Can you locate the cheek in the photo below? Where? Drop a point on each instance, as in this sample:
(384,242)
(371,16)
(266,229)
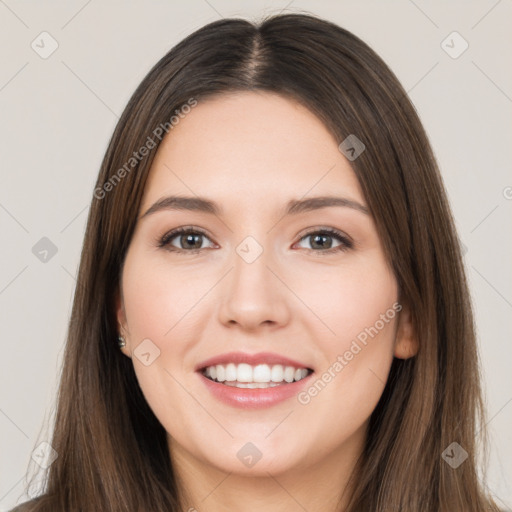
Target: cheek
(351,299)
(360,305)
(157,297)
(158,301)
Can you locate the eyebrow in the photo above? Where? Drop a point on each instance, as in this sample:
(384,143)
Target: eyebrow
(293,207)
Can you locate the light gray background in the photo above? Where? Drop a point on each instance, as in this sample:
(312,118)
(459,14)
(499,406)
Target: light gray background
(57,115)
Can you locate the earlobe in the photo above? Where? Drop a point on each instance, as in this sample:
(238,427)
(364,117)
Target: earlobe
(122,331)
(406,341)
(120,314)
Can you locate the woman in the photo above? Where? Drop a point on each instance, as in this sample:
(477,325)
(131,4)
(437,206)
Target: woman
(271,309)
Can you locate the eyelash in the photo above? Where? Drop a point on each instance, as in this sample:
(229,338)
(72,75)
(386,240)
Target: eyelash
(346,243)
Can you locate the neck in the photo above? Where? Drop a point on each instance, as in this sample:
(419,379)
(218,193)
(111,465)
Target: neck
(323,485)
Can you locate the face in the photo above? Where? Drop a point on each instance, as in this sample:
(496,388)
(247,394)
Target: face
(256,293)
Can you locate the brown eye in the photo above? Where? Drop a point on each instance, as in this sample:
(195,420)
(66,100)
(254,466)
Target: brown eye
(323,240)
(183,240)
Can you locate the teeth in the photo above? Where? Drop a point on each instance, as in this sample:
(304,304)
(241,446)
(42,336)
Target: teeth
(252,385)
(289,373)
(230,372)
(221,373)
(277,374)
(261,373)
(260,376)
(243,373)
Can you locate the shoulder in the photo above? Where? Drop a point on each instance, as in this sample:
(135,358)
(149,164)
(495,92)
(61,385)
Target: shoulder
(28,506)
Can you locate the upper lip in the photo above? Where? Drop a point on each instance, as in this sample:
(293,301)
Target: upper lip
(252,359)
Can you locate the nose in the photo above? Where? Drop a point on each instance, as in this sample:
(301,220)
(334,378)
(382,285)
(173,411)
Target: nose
(253,296)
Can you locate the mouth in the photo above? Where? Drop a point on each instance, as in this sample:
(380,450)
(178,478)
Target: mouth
(259,376)
(253,381)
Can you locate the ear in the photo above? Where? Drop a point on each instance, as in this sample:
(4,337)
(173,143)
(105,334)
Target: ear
(406,341)
(122,329)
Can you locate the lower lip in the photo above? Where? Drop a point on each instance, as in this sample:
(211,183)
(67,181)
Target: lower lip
(245,398)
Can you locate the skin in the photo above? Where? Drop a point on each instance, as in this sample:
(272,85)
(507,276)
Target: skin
(252,152)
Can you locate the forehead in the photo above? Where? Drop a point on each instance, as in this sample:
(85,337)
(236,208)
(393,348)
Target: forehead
(261,146)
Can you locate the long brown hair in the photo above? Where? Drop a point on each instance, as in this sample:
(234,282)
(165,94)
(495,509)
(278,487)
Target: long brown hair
(112,450)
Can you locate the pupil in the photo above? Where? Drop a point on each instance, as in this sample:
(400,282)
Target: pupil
(190,238)
(321,244)
(193,241)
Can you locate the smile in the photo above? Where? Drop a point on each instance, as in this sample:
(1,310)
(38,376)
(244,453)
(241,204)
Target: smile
(258,376)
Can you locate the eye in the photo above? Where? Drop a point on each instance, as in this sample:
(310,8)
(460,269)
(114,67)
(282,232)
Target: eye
(188,239)
(191,240)
(321,241)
